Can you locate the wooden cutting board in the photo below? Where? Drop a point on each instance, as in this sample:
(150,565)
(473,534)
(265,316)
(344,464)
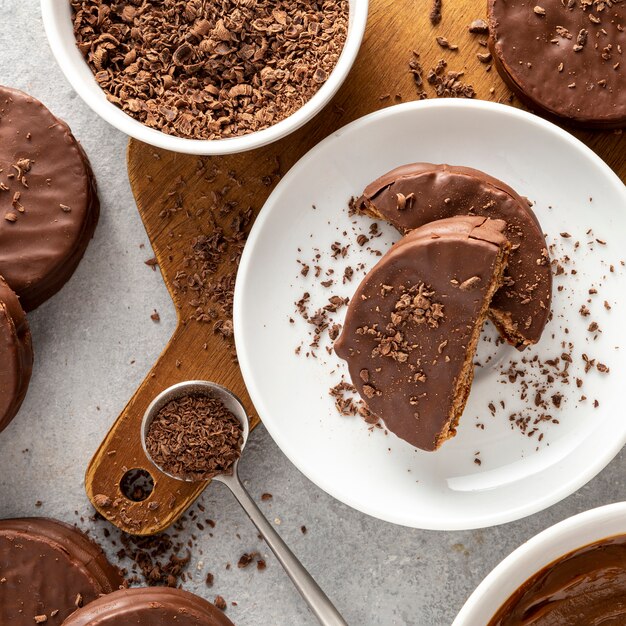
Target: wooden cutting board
(176,194)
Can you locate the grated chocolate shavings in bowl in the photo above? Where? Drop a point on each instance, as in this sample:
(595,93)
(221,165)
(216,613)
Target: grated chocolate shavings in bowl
(210,69)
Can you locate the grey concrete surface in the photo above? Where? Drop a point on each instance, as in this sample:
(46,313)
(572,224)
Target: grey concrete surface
(95,343)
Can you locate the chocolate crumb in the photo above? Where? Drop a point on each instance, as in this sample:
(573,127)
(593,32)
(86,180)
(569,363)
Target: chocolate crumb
(435,13)
(246,558)
(479,27)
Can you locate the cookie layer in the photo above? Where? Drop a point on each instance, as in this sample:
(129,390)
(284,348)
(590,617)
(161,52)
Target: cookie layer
(16,354)
(412,326)
(48,201)
(413,195)
(49,568)
(155,606)
(563,58)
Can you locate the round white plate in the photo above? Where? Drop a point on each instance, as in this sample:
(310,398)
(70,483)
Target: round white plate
(370,469)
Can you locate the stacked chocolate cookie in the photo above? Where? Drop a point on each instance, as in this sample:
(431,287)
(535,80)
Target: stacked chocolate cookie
(472,249)
(48,213)
(51,573)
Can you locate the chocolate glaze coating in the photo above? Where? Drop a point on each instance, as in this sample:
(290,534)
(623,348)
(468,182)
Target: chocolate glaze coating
(155,606)
(16,354)
(521,308)
(44,231)
(44,565)
(411,327)
(586,587)
(528,48)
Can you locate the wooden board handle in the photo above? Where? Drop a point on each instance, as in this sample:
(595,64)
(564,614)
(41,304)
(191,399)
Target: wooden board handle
(122,451)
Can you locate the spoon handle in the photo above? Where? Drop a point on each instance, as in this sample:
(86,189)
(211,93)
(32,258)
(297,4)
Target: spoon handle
(317,600)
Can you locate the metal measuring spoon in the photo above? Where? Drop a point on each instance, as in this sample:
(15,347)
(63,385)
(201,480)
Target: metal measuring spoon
(317,600)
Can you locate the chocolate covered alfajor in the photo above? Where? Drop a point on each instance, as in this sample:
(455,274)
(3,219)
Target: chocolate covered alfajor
(155,606)
(48,569)
(412,326)
(412,195)
(16,354)
(48,201)
(563,58)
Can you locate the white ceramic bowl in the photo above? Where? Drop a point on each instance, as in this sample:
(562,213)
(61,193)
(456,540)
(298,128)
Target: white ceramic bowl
(56,16)
(543,549)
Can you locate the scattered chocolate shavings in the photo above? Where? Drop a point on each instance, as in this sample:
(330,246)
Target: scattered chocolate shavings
(220,603)
(470,283)
(444,43)
(348,403)
(155,317)
(246,558)
(416,70)
(447,84)
(103,501)
(156,557)
(205,279)
(479,27)
(581,40)
(435,13)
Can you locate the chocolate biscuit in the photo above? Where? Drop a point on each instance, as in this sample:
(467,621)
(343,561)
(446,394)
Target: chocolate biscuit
(48,201)
(563,58)
(154,606)
(49,569)
(413,195)
(412,326)
(16,354)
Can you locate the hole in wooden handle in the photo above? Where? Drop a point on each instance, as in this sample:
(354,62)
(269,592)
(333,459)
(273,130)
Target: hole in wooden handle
(137,484)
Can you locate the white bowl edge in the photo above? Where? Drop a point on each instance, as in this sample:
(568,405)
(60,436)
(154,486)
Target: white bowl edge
(536,553)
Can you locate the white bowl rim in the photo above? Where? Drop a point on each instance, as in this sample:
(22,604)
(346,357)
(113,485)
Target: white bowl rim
(535,546)
(523,510)
(66,56)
